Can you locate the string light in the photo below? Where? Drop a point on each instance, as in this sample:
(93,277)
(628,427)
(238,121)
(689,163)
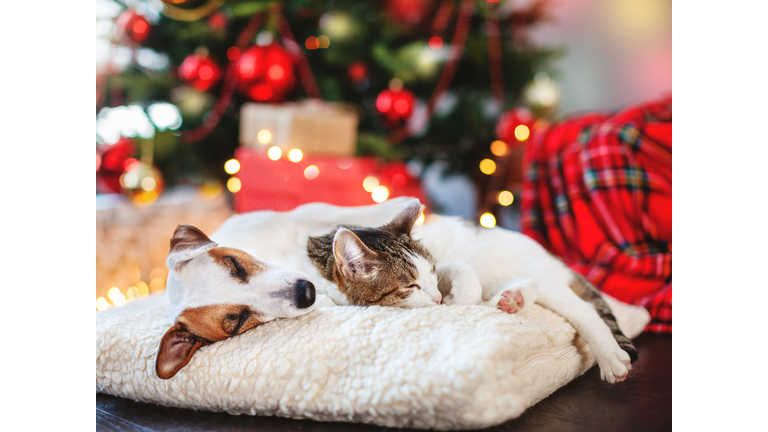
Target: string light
(132,293)
(487,220)
(232,166)
(295,155)
(143,288)
(311,172)
(487,166)
(435,42)
(312,43)
(323,41)
(274,153)
(234,185)
(233,53)
(117,297)
(499,148)
(522,132)
(506,198)
(370,183)
(380,194)
(101,304)
(148,184)
(264,136)
(158,283)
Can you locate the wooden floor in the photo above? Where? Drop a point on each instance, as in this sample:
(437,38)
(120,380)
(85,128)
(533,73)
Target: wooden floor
(642,403)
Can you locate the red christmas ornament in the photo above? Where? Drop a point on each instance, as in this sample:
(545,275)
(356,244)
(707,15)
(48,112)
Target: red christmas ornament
(396,105)
(266,73)
(135,26)
(409,11)
(218,21)
(199,71)
(510,120)
(114,159)
(357,72)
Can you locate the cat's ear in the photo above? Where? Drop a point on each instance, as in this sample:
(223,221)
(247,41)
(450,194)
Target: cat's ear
(403,221)
(353,258)
(176,349)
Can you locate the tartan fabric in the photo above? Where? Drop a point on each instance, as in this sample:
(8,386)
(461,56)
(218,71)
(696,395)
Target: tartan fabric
(597,192)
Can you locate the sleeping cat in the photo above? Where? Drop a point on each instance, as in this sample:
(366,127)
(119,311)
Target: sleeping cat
(449,260)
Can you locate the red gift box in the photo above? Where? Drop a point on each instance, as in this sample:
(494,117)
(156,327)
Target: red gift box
(282,185)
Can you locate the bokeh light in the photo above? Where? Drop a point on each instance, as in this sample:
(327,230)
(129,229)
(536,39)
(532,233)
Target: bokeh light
(234,185)
(421,218)
(311,172)
(295,155)
(487,166)
(274,153)
(232,166)
(522,132)
(380,194)
(487,220)
(312,43)
(435,42)
(323,41)
(101,304)
(370,183)
(505,198)
(264,136)
(499,148)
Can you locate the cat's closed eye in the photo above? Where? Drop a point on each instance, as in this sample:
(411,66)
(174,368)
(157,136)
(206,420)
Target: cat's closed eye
(414,286)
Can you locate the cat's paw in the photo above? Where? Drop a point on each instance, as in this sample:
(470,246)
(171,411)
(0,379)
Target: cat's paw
(614,365)
(515,297)
(510,301)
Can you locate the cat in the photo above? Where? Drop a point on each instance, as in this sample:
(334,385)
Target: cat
(397,262)
(451,261)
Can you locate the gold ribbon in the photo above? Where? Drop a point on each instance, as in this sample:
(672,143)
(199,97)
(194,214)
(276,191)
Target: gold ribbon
(194,14)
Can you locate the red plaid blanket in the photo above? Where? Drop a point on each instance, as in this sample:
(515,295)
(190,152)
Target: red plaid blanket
(598,193)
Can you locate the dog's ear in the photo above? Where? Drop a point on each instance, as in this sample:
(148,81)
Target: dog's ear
(403,221)
(187,242)
(353,258)
(176,349)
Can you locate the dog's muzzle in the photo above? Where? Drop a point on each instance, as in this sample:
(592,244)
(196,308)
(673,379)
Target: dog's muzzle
(305,294)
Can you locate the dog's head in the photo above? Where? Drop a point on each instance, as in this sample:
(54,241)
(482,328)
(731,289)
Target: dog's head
(215,292)
(379,266)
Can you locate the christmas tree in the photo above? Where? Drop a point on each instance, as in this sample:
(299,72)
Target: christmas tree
(431,79)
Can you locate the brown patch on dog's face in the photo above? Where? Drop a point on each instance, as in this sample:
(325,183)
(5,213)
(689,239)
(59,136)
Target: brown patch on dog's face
(218,322)
(197,327)
(240,265)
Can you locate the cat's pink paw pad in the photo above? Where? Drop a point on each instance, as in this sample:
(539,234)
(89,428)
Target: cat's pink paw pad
(510,301)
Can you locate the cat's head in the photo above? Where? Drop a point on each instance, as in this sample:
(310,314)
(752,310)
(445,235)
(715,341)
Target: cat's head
(379,266)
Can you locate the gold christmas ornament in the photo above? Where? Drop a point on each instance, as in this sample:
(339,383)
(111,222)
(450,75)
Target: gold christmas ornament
(542,95)
(141,183)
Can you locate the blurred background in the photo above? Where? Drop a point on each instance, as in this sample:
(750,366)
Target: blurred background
(207,108)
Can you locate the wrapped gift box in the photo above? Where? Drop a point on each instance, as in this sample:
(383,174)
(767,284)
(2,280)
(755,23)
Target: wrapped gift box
(314,127)
(283,185)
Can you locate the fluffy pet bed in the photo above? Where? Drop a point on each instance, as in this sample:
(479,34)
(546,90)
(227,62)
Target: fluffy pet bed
(444,367)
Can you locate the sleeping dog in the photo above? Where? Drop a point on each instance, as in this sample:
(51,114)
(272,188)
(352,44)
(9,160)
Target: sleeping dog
(369,257)
(245,274)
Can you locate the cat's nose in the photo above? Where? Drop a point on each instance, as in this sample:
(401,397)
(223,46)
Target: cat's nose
(438,298)
(304,296)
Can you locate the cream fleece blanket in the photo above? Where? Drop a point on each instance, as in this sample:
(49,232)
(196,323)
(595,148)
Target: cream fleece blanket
(444,367)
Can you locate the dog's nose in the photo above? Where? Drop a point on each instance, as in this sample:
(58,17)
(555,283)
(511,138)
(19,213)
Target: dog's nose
(305,294)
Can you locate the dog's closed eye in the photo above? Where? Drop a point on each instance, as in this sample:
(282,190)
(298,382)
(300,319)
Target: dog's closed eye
(236,269)
(234,321)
